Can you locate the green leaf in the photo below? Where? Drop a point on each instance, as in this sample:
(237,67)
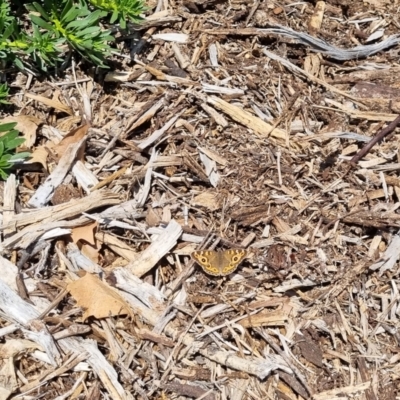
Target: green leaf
(30,7)
(5,158)
(19,156)
(19,64)
(80,23)
(13,144)
(9,136)
(67,8)
(73,14)
(88,31)
(122,23)
(114,17)
(3,175)
(94,17)
(7,126)
(37,7)
(4,94)
(40,22)
(88,21)
(8,32)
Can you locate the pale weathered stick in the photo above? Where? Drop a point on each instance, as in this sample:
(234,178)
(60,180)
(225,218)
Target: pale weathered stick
(159,132)
(388,259)
(175,79)
(25,237)
(143,118)
(43,221)
(71,209)
(10,194)
(219,118)
(45,192)
(250,121)
(85,178)
(158,249)
(143,194)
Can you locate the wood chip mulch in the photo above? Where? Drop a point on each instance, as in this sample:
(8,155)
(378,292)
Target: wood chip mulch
(233,126)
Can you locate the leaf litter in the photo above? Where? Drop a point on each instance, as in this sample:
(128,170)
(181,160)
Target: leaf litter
(234,127)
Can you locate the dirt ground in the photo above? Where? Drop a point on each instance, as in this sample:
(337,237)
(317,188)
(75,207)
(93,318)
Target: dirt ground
(202,221)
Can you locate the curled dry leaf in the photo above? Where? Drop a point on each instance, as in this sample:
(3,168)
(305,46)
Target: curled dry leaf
(84,237)
(72,137)
(85,233)
(39,155)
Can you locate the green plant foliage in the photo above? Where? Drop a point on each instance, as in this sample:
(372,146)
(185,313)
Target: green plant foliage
(5,14)
(78,26)
(44,49)
(55,28)
(4,94)
(9,141)
(122,10)
(16,45)
(10,40)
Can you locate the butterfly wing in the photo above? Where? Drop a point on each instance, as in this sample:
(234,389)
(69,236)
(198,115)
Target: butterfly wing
(208,260)
(231,260)
(219,263)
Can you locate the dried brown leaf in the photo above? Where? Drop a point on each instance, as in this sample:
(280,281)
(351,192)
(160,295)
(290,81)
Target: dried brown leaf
(97,298)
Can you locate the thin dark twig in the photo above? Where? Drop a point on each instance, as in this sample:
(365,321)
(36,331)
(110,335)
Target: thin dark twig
(377,138)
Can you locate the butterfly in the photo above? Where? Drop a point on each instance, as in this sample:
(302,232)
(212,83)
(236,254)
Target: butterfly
(219,263)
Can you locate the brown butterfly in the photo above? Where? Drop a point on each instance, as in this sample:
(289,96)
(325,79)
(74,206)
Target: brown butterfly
(219,263)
